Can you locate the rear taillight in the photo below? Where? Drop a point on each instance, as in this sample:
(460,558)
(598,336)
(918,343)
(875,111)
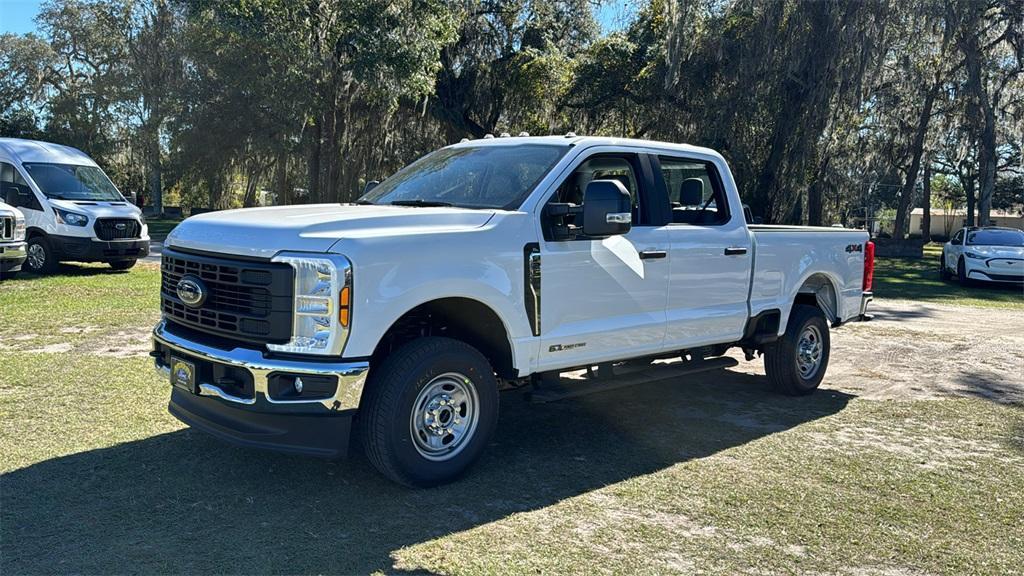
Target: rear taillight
(869,265)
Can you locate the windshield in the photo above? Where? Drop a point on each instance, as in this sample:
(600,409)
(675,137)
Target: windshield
(71,182)
(483,177)
(996,238)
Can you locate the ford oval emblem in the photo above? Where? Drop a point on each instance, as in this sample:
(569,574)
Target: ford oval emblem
(191,291)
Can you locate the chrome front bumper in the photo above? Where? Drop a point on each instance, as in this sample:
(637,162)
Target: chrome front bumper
(351,375)
(13,251)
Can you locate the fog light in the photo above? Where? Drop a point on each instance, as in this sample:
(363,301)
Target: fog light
(298,385)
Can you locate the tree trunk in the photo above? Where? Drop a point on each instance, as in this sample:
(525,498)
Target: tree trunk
(926,203)
(284,196)
(917,150)
(986,165)
(969,188)
(313,164)
(155,170)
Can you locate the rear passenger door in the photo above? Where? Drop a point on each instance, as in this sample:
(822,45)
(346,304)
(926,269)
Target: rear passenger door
(710,255)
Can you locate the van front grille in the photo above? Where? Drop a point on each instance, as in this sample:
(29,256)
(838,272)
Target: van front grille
(6,228)
(117,228)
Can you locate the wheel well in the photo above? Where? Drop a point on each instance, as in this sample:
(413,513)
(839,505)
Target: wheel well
(463,319)
(819,291)
(33,232)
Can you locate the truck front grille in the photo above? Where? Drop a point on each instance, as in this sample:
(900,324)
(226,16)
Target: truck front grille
(244,300)
(117,228)
(6,228)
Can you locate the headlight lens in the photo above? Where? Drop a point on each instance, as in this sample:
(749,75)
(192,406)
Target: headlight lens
(19,229)
(71,218)
(321,285)
(974,255)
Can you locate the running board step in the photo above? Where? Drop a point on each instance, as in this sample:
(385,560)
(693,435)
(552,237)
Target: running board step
(574,384)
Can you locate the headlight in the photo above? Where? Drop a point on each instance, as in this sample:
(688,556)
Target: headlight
(19,229)
(70,218)
(321,307)
(974,255)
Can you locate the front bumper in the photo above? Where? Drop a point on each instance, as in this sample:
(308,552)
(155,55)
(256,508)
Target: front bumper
(254,414)
(83,249)
(12,256)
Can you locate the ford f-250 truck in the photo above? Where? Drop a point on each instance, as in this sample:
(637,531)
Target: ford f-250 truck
(493,259)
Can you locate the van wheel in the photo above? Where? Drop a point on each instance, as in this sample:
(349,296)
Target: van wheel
(122,264)
(41,259)
(796,363)
(428,411)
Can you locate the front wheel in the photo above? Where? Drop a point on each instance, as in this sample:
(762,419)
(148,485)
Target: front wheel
(961,272)
(122,264)
(428,411)
(796,363)
(41,259)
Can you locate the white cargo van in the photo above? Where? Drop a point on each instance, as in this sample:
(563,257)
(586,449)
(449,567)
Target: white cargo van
(73,212)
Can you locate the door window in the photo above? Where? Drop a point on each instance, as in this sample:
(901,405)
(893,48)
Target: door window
(694,191)
(622,168)
(14,190)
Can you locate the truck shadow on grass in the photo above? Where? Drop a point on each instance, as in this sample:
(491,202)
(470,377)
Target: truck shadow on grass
(182,502)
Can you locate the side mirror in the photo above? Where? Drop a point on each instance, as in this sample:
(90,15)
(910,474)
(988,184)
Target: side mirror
(607,209)
(370,186)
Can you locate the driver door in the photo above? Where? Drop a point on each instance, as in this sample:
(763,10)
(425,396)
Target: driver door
(604,299)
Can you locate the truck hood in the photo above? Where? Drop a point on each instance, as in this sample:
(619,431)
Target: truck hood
(263,232)
(98,209)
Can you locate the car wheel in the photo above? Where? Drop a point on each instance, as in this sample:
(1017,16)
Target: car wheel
(961,272)
(943,271)
(41,259)
(428,411)
(796,362)
(122,264)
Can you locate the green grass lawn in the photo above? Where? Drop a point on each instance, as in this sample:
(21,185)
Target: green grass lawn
(159,228)
(918,279)
(715,475)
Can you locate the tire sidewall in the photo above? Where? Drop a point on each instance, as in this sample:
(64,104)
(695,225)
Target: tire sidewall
(422,471)
(48,264)
(817,320)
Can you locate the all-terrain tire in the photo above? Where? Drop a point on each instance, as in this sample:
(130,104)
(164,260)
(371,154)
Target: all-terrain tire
(784,358)
(395,392)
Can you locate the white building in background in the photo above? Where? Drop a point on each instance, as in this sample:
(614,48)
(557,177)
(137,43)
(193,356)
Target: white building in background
(944,222)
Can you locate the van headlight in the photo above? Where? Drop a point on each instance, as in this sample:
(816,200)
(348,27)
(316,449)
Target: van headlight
(19,229)
(71,218)
(321,305)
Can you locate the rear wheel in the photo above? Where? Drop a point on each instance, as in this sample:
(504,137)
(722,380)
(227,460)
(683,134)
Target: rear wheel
(796,363)
(41,259)
(428,411)
(122,264)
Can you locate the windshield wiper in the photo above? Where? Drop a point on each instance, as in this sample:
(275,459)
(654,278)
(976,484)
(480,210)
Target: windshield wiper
(421,203)
(362,202)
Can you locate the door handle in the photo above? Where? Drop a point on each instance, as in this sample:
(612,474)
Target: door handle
(653,254)
(735,251)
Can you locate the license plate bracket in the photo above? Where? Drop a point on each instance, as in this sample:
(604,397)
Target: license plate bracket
(183,374)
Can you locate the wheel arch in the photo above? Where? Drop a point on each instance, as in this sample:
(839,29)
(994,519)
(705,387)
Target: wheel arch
(819,290)
(461,318)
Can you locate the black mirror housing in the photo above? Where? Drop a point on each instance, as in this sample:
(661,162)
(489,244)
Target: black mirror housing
(607,209)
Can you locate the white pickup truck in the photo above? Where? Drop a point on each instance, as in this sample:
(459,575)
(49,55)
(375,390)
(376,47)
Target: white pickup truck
(510,259)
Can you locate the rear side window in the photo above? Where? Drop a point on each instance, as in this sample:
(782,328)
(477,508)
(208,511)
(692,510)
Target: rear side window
(694,191)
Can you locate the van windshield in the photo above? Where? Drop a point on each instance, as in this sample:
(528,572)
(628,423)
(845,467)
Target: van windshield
(469,177)
(71,182)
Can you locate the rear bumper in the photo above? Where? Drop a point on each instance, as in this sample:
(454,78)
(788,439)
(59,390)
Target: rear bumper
(82,249)
(12,256)
(233,397)
(865,299)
